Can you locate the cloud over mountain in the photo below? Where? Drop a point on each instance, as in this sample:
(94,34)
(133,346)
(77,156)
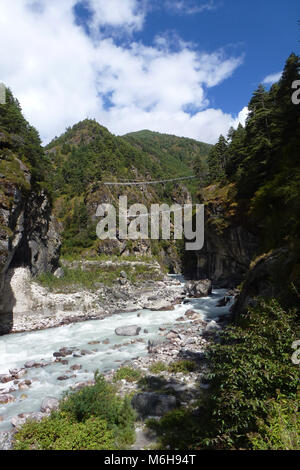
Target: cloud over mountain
(62,74)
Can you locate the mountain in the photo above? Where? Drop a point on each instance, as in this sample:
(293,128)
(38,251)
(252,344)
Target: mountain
(173,152)
(87,155)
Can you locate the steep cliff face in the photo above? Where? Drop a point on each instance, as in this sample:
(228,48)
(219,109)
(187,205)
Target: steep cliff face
(225,259)
(29,234)
(273,275)
(29,237)
(229,245)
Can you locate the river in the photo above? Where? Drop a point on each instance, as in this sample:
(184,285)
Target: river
(16,349)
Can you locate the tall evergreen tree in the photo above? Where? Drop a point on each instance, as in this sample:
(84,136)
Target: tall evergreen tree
(217,160)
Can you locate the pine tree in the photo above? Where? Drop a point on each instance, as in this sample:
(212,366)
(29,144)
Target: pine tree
(217,160)
(235,151)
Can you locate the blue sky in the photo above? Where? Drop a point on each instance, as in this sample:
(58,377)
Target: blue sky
(182,67)
(265,32)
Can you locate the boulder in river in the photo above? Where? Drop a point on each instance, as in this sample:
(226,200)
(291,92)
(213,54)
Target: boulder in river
(4,378)
(198,289)
(30,364)
(63,377)
(49,404)
(212,326)
(153,404)
(132,330)
(6,398)
(223,302)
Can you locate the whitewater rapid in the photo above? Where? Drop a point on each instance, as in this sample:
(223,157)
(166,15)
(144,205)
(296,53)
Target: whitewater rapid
(16,349)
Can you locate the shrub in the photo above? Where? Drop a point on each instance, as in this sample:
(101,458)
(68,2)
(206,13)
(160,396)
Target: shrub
(177,429)
(250,366)
(91,418)
(281,429)
(60,433)
(128,374)
(183,366)
(158,367)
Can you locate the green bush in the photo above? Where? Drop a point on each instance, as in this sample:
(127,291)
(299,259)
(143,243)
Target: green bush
(91,418)
(128,374)
(281,429)
(250,366)
(60,433)
(158,367)
(183,366)
(177,429)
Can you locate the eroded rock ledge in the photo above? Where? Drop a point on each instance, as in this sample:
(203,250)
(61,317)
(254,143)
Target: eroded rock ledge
(37,308)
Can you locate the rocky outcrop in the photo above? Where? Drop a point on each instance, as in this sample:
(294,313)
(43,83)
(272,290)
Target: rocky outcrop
(230,243)
(29,236)
(153,404)
(198,289)
(269,277)
(225,258)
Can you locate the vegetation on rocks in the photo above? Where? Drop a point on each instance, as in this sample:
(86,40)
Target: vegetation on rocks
(93,418)
(77,278)
(127,373)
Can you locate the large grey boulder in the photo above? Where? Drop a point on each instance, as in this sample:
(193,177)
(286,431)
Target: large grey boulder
(49,404)
(59,273)
(198,289)
(132,330)
(154,342)
(212,326)
(153,404)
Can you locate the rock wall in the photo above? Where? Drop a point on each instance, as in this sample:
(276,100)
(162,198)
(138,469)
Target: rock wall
(270,277)
(225,257)
(230,244)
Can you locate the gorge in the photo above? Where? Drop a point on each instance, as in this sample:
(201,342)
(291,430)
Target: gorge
(212,328)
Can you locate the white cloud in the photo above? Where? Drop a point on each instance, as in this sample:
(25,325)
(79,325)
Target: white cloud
(242,117)
(129,14)
(273,78)
(61,75)
(190,7)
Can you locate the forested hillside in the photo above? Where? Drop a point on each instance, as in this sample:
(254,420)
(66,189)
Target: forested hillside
(262,162)
(87,155)
(254,177)
(176,154)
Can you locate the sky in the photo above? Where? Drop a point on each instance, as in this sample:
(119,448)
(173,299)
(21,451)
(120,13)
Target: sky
(183,67)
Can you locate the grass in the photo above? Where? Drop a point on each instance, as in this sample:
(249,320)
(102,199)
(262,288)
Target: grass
(183,367)
(103,257)
(158,367)
(89,279)
(128,374)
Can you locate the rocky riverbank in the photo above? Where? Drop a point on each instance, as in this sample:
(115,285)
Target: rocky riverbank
(174,374)
(38,308)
